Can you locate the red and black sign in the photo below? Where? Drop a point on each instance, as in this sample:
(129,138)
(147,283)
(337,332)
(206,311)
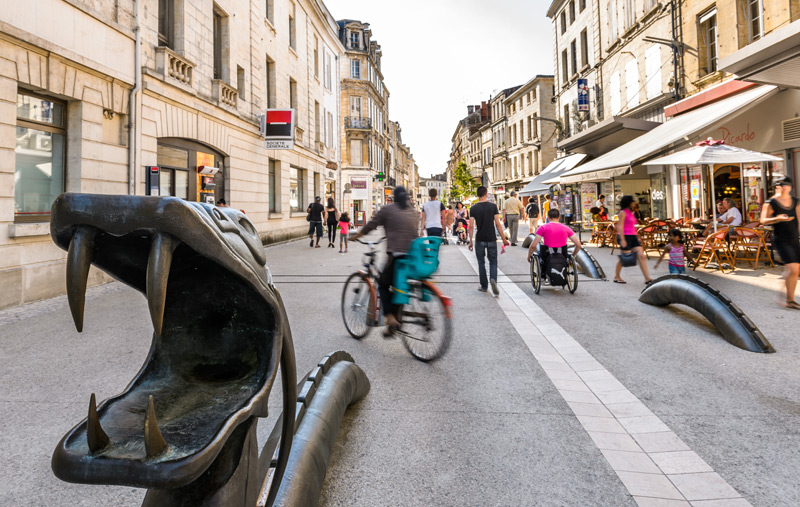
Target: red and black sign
(279,124)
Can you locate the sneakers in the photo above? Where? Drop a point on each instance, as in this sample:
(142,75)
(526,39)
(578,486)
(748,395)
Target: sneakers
(311,244)
(483,289)
(495,290)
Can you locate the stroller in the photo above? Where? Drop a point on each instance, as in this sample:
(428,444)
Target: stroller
(461,232)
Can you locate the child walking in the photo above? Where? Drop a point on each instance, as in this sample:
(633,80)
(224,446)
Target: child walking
(344,225)
(677,253)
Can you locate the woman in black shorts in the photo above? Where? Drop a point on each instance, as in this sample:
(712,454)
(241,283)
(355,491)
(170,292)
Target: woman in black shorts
(628,238)
(782,211)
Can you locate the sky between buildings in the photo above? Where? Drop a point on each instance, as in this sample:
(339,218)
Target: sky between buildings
(441,55)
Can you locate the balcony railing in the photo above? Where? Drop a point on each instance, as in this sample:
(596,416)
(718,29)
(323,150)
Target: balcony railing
(174,67)
(225,93)
(357,122)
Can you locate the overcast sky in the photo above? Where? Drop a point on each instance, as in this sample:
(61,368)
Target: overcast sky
(441,55)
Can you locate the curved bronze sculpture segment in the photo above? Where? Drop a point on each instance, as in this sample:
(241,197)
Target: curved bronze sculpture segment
(729,320)
(589,265)
(219,331)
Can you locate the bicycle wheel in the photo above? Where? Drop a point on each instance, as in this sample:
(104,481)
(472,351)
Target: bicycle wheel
(355,305)
(536,274)
(572,275)
(425,327)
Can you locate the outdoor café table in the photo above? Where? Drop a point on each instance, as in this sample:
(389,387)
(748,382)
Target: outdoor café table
(689,234)
(577,226)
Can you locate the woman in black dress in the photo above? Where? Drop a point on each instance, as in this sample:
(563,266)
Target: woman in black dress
(782,211)
(333,220)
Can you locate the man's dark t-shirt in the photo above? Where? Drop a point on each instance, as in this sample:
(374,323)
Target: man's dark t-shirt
(316,209)
(484,213)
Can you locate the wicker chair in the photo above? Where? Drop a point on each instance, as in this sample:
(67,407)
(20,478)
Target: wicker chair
(749,245)
(714,249)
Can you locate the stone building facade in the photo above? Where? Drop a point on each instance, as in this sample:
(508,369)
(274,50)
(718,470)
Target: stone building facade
(530,139)
(366,140)
(501,170)
(208,71)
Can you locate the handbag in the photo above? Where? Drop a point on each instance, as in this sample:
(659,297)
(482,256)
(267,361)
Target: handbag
(308,217)
(628,259)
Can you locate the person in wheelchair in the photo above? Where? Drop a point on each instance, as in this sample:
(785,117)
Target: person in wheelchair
(553,235)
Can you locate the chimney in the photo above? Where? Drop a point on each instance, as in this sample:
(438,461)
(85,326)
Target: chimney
(470,109)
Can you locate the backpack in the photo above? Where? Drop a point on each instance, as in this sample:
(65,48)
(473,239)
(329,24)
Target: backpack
(556,267)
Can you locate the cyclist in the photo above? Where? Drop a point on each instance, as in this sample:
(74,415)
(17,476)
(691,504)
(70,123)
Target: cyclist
(400,221)
(554,235)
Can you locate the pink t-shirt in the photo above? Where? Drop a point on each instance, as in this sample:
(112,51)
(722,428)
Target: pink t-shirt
(554,234)
(345,227)
(630,223)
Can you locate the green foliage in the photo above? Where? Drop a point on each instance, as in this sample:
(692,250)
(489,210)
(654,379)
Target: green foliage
(464,185)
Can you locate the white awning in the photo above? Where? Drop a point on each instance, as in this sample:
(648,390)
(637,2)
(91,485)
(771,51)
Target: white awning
(549,176)
(661,139)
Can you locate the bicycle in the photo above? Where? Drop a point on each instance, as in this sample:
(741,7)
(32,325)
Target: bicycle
(570,280)
(425,320)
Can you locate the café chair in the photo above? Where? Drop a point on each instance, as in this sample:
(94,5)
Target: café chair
(713,250)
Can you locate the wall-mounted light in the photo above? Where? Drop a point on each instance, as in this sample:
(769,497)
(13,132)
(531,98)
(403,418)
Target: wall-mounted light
(108,114)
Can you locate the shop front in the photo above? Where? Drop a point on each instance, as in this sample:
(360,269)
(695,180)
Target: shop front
(189,170)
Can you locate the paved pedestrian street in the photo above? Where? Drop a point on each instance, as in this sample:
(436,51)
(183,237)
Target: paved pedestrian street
(549,399)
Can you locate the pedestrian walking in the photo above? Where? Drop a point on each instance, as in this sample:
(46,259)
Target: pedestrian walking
(461,216)
(548,200)
(316,214)
(676,252)
(782,211)
(432,215)
(399,221)
(332,218)
(628,238)
(449,218)
(344,231)
(484,219)
(512,209)
(532,211)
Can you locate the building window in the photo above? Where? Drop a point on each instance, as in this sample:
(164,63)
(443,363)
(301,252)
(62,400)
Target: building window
(612,21)
(273,188)
(573,52)
(297,183)
(240,82)
(356,158)
(292,30)
(650,4)
(632,83)
(564,67)
(630,13)
(317,186)
(355,106)
(535,126)
(270,10)
(166,23)
(292,93)
(329,135)
(754,14)
(563,19)
(270,84)
(173,175)
(221,40)
(584,48)
(582,5)
(355,69)
(707,27)
(317,124)
(355,40)
(40,154)
(316,56)
(327,70)
(566,120)
(571,12)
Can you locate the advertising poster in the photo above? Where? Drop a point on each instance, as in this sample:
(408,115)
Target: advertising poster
(588,198)
(695,190)
(358,189)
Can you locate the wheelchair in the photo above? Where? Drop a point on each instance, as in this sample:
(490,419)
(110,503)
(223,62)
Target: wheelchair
(570,281)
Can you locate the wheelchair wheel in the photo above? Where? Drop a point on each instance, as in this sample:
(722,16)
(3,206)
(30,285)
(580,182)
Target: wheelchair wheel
(536,274)
(572,275)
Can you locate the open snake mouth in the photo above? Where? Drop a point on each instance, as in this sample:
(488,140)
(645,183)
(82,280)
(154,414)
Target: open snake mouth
(218,330)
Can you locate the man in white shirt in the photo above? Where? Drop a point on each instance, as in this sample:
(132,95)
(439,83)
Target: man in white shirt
(432,215)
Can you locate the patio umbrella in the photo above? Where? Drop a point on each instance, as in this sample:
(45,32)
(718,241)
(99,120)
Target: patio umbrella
(711,152)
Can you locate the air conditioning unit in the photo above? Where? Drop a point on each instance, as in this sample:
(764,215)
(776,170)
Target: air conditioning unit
(44,142)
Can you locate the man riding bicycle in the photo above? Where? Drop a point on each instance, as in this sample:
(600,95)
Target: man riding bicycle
(400,221)
(553,235)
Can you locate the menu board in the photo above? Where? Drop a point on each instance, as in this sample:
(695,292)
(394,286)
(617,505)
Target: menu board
(588,198)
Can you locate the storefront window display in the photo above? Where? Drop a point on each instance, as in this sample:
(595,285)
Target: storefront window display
(692,192)
(658,195)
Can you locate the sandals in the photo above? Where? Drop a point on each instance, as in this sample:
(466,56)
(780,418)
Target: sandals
(620,281)
(794,305)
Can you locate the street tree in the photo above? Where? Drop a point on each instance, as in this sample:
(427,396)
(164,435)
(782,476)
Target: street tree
(464,185)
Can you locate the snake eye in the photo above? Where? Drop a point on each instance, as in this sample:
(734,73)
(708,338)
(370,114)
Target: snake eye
(247,226)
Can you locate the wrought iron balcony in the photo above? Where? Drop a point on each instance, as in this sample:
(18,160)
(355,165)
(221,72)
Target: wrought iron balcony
(357,122)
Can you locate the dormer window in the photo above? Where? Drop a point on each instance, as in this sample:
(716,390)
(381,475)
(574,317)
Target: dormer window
(355,40)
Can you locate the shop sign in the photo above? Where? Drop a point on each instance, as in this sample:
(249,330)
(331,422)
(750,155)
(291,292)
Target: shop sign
(733,138)
(657,195)
(358,189)
(277,125)
(695,190)
(583,94)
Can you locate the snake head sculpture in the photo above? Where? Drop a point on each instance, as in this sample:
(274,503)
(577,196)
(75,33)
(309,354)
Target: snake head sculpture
(218,322)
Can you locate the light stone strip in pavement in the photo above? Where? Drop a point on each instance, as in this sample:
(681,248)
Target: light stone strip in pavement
(653,463)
